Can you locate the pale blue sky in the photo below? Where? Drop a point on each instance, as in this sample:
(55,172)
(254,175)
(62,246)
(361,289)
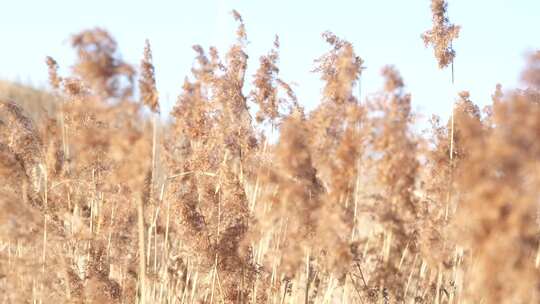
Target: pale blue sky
(495,36)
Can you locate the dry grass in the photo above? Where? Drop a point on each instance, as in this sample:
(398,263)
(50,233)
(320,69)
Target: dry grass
(102,202)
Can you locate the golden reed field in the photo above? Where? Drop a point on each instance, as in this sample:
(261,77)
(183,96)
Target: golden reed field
(243,197)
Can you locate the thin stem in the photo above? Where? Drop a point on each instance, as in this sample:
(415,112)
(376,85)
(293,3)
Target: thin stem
(451,163)
(154,154)
(142,264)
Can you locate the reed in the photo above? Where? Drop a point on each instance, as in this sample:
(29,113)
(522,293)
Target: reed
(245,197)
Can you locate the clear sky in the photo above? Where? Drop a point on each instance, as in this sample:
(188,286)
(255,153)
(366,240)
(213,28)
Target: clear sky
(495,36)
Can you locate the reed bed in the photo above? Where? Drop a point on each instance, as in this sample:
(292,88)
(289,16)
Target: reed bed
(244,197)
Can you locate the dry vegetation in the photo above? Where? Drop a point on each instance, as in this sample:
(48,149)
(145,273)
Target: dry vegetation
(102,202)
